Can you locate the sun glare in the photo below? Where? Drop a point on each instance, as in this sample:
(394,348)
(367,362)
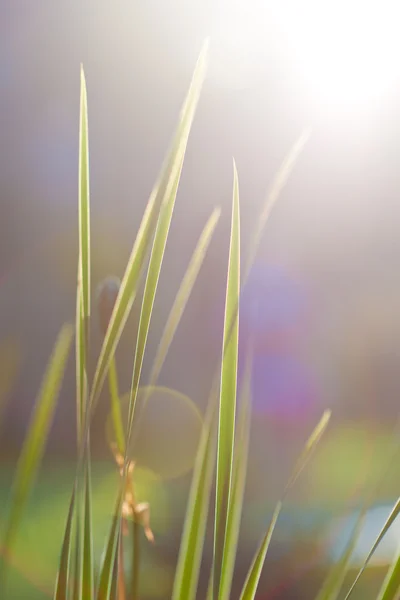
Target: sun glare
(346,51)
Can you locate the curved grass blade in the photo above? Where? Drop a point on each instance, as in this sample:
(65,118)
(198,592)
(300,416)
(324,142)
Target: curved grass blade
(34,444)
(238,485)
(308,449)
(390,589)
(108,569)
(150,289)
(159,196)
(178,308)
(253,577)
(194,529)
(389,521)
(227,398)
(332,585)
(62,581)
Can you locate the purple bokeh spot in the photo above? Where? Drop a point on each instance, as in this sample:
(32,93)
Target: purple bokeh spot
(283,387)
(272,307)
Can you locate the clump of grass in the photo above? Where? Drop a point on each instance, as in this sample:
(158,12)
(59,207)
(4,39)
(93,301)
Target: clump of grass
(223,448)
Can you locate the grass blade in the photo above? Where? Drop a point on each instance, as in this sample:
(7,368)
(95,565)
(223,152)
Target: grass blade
(84,207)
(308,449)
(227,402)
(78,546)
(194,529)
(238,485)
(111,555)
(253,577)
(161,192)
(389,521)
(179,305)
(34,444)
(62,582)
(150,289)
(87,570)
(390,589)
(80,363)
(116,407)
(332,585)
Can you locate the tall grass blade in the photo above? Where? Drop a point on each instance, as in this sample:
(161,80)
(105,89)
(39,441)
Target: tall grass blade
(114,591)
(81,382)
(84,207)
(158,198)
(333,583)
(389,521)
(105,588)
(178,306)
(227,401)
(150,289)
(62,581)
(238,485)
(34,444)
(194,528)
(78,546)
(253,577)
(87,571)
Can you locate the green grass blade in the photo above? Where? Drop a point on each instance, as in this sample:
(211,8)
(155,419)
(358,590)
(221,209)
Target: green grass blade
(332,585)
(390,589)
(389,521)
(194,529)
(238,485)
(114,591)
(150,289)
(161,192)
(308,449)
(84,207)
(62,582)
(111,555)
(254,574)
(34,444)
(78,545)
(178,307)
(153,273)
(116,406)
(253,577)
(87,570)
(227,402)
(80,363)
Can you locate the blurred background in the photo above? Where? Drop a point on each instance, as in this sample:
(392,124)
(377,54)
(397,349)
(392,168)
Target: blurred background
(322,301)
